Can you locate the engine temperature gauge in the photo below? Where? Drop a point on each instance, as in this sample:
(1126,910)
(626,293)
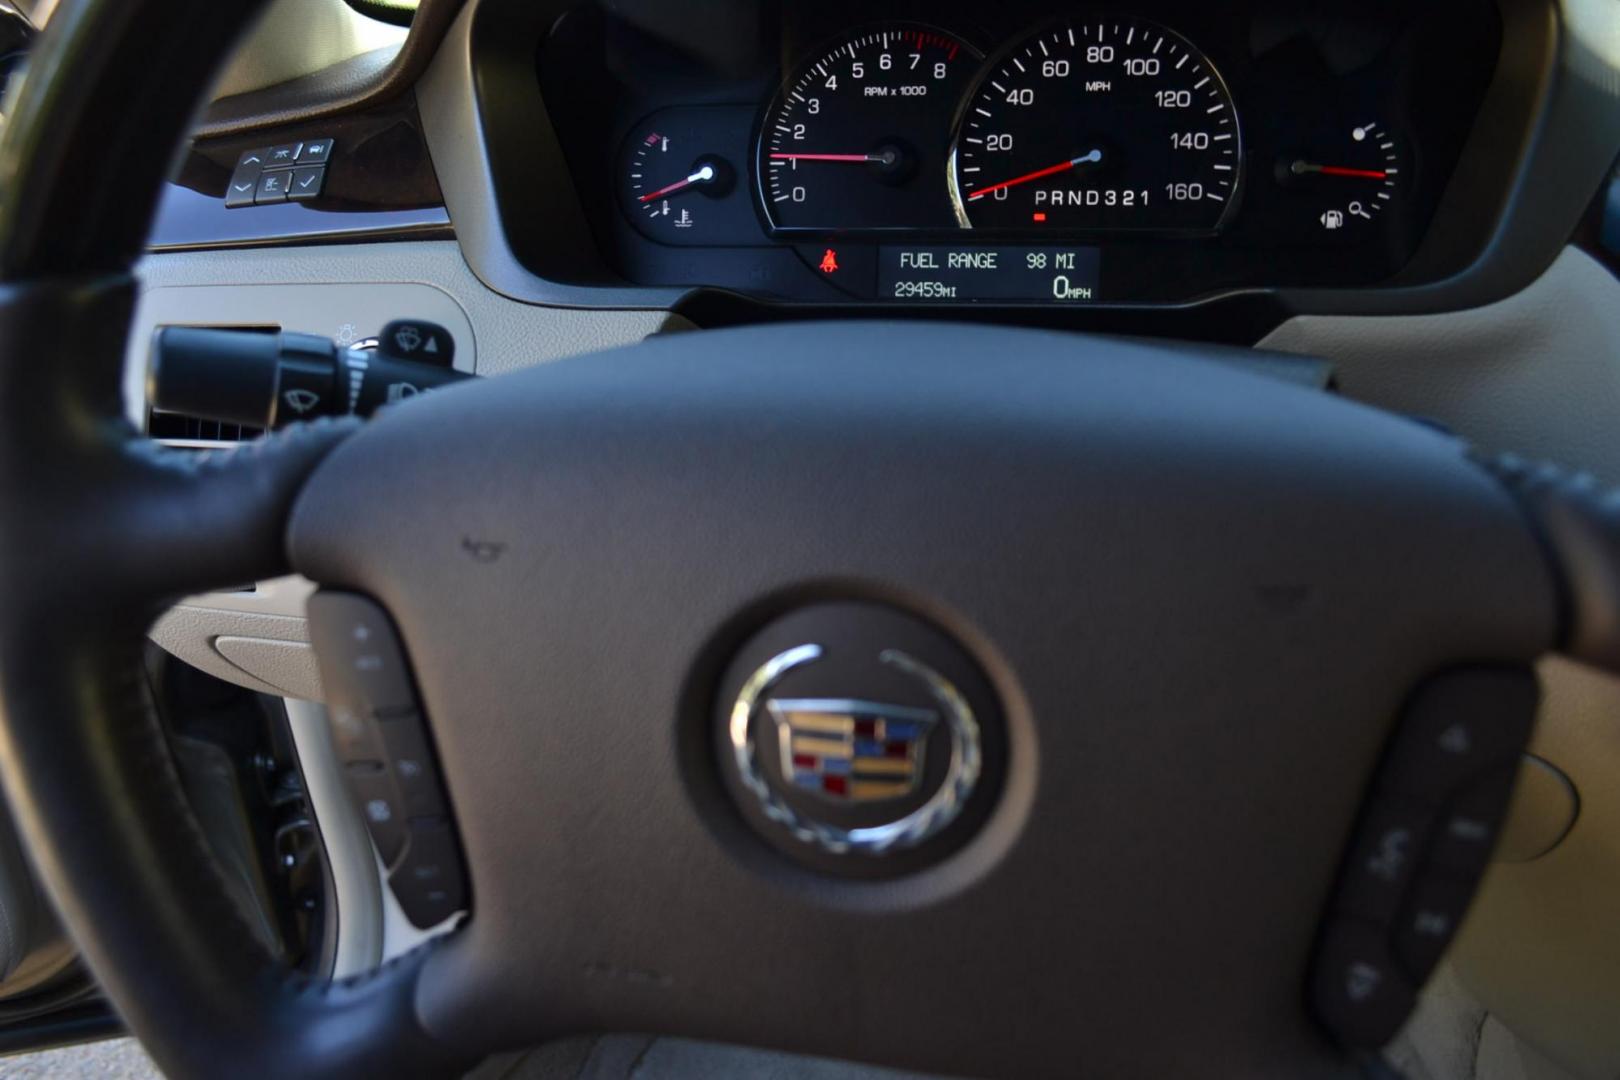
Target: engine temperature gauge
(1353,178)
(675,184)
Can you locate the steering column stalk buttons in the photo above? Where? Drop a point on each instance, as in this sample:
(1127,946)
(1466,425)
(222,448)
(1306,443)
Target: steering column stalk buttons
(418,341)
(271,380)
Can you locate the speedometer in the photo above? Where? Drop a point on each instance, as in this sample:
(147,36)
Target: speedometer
(1098,125)
(859,136)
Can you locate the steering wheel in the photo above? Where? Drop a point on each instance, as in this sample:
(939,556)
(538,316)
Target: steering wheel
(1154,620)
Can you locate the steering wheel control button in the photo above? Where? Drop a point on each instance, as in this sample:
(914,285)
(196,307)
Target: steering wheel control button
(1429,923)
(430,884)
(412,761)
(306,181)
(1460,724)
(359,655)
(1357,991)
(354,734)
(1468,828)
(859,739)
(1384,859)
(380,807)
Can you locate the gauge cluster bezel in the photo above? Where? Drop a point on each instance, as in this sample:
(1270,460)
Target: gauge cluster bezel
(531,229)
(1267,235)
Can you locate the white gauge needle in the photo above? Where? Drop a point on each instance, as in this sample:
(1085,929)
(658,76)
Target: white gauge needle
(702,176)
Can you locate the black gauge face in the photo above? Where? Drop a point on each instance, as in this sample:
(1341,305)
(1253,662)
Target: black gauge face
(675,184)
(859,136)
(1115,124)
(1347,180)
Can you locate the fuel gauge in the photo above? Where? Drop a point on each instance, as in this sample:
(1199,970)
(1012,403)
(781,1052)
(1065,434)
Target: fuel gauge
(1352,179)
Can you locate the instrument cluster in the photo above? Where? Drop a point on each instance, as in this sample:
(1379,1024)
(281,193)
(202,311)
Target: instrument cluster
(1036,153)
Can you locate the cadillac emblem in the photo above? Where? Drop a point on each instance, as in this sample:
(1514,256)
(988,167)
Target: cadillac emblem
(848,774)
(851,751)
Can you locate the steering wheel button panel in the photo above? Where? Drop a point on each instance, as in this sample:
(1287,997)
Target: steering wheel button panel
(1426,836)
(388,758)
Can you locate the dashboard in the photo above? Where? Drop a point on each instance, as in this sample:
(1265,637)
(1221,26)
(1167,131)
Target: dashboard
(1025,153)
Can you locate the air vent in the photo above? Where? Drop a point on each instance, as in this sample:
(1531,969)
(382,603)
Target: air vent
(178,430)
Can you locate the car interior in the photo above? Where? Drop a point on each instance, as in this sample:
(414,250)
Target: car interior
(866,540)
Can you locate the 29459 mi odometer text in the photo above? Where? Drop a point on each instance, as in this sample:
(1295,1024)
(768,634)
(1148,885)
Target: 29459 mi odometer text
(1117,124)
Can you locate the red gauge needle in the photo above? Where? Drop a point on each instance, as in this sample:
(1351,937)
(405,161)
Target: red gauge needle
(857,158)
(1299,168)
(702,176)
(1050,170)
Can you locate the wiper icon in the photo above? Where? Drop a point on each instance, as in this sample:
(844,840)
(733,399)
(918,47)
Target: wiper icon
(300,400)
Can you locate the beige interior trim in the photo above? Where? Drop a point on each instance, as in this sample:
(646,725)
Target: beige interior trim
(300,37)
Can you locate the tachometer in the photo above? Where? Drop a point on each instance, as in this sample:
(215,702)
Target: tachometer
(1099,124)
(859,136)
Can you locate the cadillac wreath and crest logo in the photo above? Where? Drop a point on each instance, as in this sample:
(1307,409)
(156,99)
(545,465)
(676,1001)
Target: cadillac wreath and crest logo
(849,774)
(851,751)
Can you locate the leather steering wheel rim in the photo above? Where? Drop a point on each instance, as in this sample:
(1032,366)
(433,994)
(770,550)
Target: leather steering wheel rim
(113,528)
